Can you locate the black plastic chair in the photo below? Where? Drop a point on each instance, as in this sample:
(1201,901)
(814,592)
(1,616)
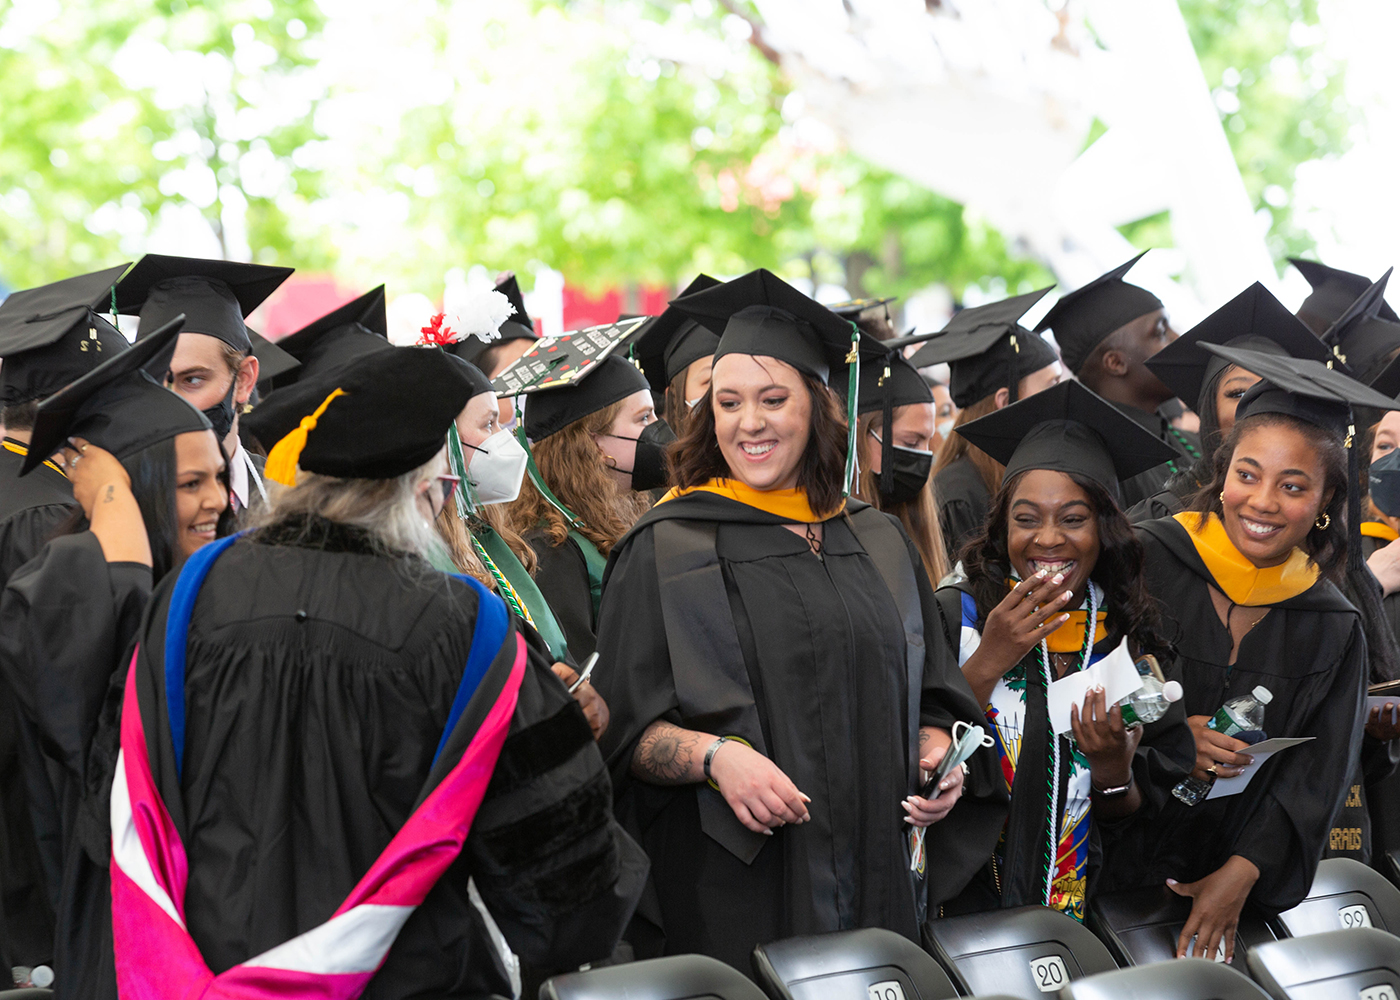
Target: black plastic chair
(679,977)
(1364,962)
(1345,895)
(850,965)
(1025,952)
(1181,979)
(1143,925)
(28,993)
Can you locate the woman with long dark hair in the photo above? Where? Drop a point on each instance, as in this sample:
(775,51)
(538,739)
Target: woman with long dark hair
(151,483)
(768,655)
(1249,578)
(1053,585)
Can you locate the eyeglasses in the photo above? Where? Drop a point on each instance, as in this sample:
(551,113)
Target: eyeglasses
(449,486)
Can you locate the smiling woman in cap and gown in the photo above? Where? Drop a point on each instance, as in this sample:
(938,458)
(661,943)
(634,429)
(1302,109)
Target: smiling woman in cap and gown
(458,809)
(1053,585)
(152,484)
(1249,578)
(992,362)
(770,658)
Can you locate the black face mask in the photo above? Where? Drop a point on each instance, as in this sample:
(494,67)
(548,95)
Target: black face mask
(649,466)
(1385,483)
(221,413)
(911,472)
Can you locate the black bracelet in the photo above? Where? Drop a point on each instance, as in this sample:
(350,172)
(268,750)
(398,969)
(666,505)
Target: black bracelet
(710,756)
(1115,791)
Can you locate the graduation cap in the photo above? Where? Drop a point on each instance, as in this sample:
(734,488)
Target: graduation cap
(887,381)
(555,362)
(116,406)
(1360,339)
(674,341)
(1084,317)
(273,362)
(51,335)
(346,333)
(1255,320)
(1067,428)
(1310,391)
(518,327)
(213,295)
(1333,291)
(610,380)
(985,348)
(380,416)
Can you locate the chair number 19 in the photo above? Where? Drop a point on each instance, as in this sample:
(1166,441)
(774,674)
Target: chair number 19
(891,990)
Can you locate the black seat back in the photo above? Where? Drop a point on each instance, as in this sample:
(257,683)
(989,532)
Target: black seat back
(1143,925)
(679,977)
(1363,963)
(1345,895)
(1026,952)
(869,964)
(1184,979)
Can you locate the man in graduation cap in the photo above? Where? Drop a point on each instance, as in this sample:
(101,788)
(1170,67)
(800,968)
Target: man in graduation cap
(212,365)
(1106,331)
(1333,291)
(333,341)
(49,337)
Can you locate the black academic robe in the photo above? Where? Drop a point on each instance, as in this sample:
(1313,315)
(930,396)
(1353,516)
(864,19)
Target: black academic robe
(1154,480)
(66,619)
(320,673)
(963,504)
(1310,652)
(562,577)
(31,510)
(1165,755)
(824,654)
(1381,786)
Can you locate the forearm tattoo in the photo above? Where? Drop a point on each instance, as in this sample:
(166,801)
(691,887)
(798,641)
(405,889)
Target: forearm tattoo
(111,494)
(666,754)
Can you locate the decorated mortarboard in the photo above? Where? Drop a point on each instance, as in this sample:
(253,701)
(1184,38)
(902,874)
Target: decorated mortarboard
(213,295)
(1360,339)
(1084,317)
(357,328)
(557,362)
(1254,320)
(1333,291)
(52,334)
(273,362)
(887,382)
(1068,429)
(518,325)
(380,416)
(551,409)
(674,341)
(116,406)
(985,348)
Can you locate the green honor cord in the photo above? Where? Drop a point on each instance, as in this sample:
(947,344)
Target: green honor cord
(852,404)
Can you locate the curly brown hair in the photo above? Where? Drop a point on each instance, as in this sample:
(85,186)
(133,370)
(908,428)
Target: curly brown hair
(574,467)
(919,516)
(695,458)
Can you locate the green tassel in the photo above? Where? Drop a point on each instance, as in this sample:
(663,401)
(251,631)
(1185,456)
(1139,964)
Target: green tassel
(852,404)
(467,500)
(533,471)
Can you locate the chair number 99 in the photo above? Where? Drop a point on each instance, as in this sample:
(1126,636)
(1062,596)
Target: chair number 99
(1049,973)
(1354,916)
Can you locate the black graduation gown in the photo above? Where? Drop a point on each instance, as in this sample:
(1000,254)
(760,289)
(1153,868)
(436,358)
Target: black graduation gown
(1165,756)
(319,678)
(1153,481)
(963,504)
(1310,652)
(1381,786)
(31,509)
(66,619)
(824,651)
(562,576)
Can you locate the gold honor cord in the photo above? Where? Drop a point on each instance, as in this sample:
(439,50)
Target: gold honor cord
(503,586)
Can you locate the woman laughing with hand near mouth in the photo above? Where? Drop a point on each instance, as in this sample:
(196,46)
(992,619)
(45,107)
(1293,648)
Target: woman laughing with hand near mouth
(1249,576)
(1054,584)
(776,669)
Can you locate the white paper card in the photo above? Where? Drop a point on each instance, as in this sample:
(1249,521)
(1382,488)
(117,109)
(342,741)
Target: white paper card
(1115,673)
(1260,752)
(1372,701)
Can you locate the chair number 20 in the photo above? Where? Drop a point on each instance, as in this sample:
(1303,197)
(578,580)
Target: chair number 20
(1049,973)
(891,990)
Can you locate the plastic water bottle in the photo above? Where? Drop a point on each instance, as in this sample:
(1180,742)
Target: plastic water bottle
(1241,714)
(1151,701)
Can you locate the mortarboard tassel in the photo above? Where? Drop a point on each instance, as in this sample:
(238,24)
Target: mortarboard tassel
(852,404)
(887,437)
(282,461)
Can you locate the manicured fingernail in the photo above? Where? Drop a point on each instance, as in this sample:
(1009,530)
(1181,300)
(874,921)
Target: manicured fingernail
(1058,578)
(1064,618)
(1041,574)
(1068,594)
(804,798)
(1250,759)
(946,785)
(909,820)
(768,833)
(1172,881)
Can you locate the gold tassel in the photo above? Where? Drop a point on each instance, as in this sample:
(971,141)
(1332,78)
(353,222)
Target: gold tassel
(282,460)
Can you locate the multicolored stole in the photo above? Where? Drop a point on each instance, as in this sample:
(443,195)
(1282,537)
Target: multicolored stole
(156,959)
